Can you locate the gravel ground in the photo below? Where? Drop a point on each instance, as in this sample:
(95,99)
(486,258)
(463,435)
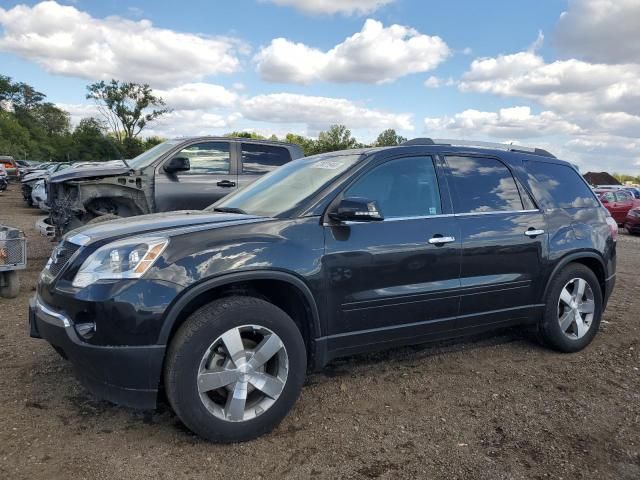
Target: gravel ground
(490,407)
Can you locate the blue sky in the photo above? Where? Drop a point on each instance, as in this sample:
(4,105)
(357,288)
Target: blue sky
(552,73)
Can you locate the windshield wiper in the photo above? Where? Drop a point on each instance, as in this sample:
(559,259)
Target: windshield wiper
(230,210)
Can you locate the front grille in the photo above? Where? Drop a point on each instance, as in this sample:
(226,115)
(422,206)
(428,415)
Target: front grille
(60,257)
(12,247)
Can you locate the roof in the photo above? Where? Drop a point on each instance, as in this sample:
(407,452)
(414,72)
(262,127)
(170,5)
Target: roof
(601,178)
(237,139)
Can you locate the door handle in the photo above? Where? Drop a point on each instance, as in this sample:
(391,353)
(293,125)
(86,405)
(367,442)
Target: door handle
(441,240)
(226,183)
(532,232)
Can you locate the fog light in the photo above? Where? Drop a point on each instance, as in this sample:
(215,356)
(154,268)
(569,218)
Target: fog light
(86,330)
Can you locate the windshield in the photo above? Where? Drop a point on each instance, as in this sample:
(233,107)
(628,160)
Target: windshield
(146,158)
(286,187)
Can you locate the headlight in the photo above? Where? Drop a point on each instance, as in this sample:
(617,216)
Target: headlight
(129,258)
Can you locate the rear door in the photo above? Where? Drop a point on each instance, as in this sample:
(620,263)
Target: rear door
(503,240)
(624,200)
(213,175)
(258,159)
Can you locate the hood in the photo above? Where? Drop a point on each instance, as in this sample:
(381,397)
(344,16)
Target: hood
(90,171)
(33,176)
(175,222)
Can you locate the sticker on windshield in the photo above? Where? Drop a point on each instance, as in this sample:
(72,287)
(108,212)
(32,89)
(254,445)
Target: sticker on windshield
(327,165)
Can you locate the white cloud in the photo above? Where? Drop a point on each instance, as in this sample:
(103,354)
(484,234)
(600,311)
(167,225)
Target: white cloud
(601,31)
(192,122)
(198,96)
(64,40)
(563,85)
(318,113)
(376,54)
(437,82)
(330,7)
(506,123)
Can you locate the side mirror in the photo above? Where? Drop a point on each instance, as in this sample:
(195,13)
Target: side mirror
(177,164)
(356,209)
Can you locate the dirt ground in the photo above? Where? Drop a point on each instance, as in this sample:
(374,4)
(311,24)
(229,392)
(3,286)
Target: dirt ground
(492,407)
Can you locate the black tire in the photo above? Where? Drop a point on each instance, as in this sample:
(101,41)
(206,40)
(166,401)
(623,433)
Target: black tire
(189,345)
(549,332)
(103,218)
(11,289)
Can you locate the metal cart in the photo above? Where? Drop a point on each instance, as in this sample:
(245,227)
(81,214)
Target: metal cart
(13,257)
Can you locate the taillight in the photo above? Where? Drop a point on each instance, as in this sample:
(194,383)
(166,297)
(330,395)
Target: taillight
(613,226)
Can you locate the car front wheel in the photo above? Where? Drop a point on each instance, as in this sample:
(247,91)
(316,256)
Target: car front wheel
(235,368)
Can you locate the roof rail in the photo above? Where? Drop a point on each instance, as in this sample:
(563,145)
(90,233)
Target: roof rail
(419,141)
(475,143)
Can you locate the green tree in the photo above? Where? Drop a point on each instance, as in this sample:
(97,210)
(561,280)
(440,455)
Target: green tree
(389,138)
(338,137)
(127,107)
(237,134)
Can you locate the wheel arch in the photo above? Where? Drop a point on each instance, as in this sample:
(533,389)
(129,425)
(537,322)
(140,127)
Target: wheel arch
(590,259)
(284,290)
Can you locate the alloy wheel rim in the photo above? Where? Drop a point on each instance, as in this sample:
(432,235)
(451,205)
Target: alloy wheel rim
(243,373)
(576,308)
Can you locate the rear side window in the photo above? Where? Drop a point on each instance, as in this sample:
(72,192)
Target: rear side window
(482,185)
(259,159)
(623,196)
(559,186)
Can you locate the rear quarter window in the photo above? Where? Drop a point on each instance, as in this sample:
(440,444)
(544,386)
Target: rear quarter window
(559,186)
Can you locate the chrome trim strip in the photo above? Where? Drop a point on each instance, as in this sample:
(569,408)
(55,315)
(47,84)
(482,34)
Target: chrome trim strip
(441,215)
(66,323)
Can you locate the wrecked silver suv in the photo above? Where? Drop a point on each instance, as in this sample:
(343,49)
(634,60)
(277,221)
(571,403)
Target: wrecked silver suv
(179,174)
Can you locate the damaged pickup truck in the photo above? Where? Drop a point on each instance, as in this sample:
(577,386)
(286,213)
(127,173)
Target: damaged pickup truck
(179,174)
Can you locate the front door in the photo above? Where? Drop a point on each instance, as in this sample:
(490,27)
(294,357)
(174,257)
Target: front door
(212,176)
(396,279)
(504,242)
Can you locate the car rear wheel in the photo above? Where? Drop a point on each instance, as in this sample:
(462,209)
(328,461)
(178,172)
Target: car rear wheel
(235,368)
(573,309)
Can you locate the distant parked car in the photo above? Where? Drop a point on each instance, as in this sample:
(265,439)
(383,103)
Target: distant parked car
(10,165)
(3,178)
(632,221)
(39,196)
(179,174)
(618,202)
(29,180)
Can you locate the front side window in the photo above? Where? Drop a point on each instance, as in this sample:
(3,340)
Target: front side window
(406,187)
(558,186)
(259,159)
(609,197)
(482,185)
(207,158)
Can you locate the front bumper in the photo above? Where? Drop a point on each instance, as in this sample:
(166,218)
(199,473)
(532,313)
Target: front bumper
(126,375)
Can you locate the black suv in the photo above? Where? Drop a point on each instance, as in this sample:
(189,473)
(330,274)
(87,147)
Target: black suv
(331,255)
(182,173)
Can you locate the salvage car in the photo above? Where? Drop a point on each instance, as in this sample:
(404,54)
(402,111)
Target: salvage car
(183,173)
(225,309)
(29,180)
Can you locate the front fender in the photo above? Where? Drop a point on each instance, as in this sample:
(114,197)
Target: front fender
(188,295)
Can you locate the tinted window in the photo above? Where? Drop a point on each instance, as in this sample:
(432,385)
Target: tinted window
(406,187)
(262,158)
(206,158)
(559,186)
(623,196)
(482,185)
